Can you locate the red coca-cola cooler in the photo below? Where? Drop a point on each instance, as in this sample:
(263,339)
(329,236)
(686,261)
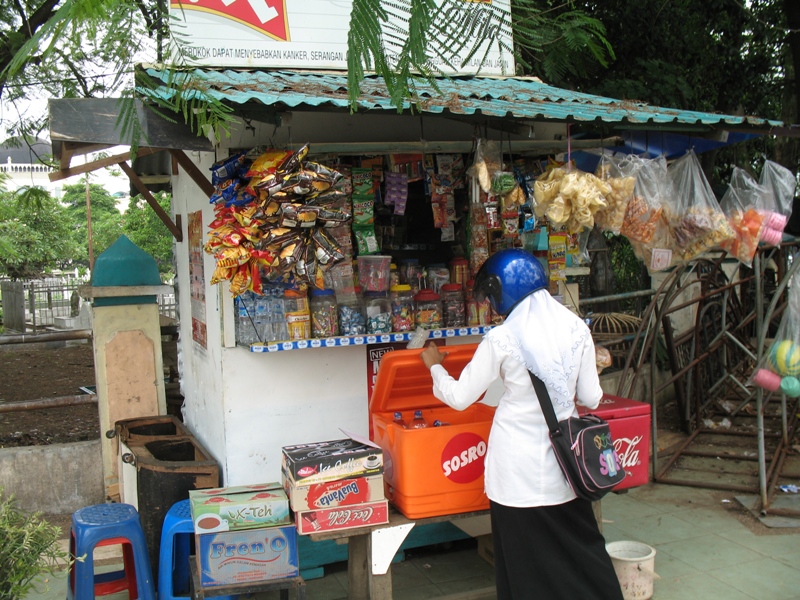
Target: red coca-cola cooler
(629,421)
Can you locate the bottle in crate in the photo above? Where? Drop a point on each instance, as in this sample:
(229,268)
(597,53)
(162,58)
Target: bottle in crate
(418,422)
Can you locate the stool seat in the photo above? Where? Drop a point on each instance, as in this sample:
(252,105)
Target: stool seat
(106,525)
(173,564)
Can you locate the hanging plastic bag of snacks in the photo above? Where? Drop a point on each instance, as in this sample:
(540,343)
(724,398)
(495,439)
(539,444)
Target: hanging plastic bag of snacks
(779,369)
(782,183)
(612,216)
(740,205)
(695,219)
(488,161)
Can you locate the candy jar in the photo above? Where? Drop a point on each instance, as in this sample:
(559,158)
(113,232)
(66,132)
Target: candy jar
(411,273)
(453,305)
(458,270)
(379,312)
(298,317)
(478,313)
(352,316)
(394,275)
(402,301)
(438,275)
(324,314)
(428,309)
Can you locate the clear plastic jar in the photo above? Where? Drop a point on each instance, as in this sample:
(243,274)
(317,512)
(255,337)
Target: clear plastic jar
(478,313)
(352,316)
(402,301)
(428,309)
(411,273)
(438,275)
(379,312)
(298,317)
(459,268)
(453,309)
(324,314)
(394,275)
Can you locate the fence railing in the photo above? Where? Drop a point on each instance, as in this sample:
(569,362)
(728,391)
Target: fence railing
(35,305)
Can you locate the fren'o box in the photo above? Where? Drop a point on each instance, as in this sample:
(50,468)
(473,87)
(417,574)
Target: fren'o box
(436,470)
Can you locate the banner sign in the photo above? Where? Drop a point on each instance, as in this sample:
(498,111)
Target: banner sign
(291,34)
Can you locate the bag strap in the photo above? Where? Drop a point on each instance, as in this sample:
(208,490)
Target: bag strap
(546,403)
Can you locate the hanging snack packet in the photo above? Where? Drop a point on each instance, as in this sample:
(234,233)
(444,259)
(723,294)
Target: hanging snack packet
(695,219)
(779,368)
(488,160)
(612,216)
(740,207)
(645,206)
(782,183)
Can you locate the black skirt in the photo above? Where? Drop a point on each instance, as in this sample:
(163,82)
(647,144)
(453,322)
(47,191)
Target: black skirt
(551,553)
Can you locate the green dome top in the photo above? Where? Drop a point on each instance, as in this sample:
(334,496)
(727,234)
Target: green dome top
(124,263)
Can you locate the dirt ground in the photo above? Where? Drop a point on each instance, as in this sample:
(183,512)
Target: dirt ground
(32,373)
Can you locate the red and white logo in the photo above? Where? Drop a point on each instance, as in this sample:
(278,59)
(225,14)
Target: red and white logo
(627,451)
(462,458)
(265,16)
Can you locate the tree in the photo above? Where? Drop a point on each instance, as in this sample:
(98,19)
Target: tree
(106,218)
(35,235)
(146,230)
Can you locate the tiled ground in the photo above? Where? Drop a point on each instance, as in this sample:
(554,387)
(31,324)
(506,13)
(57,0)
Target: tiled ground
(707,547)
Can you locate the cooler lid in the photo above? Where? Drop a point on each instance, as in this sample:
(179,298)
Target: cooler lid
(616,407)
(403,382)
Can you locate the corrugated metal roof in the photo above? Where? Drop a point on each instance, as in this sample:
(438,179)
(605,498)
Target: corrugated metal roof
(499,97)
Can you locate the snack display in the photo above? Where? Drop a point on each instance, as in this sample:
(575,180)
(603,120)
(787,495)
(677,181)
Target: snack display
(278,231)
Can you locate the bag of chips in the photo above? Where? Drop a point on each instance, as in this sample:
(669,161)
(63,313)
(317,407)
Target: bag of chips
(695,218)
(740,205)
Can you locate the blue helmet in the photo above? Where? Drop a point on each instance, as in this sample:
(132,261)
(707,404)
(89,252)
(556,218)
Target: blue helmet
(507,277)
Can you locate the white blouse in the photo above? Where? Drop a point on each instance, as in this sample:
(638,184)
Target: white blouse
(521,469)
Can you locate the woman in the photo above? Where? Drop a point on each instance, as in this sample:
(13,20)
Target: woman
(546,541)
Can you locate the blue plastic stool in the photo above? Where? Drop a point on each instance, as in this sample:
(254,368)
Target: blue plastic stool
(105,525)
(173,563)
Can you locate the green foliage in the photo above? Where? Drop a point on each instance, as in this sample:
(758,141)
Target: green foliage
(146,230)
(28,549)
(35,236)
(106,219)
(406,40)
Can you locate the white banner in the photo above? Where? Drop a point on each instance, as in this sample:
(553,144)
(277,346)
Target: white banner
(292,34)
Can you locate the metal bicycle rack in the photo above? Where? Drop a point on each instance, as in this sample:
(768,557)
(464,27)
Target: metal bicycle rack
(750,449)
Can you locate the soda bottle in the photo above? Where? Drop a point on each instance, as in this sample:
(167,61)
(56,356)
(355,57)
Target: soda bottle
(418,422)
(398,420)
(438,423)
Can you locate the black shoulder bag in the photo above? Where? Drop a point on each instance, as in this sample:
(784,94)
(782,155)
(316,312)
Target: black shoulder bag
(583,447)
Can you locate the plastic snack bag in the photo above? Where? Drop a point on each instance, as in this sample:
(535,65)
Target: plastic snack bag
(645,206)
(782,183)
(779,368)
(488,161)
(695,218)
(622,186)
(740,205)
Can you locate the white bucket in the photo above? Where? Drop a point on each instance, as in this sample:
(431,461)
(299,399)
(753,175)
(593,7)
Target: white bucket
(633,563)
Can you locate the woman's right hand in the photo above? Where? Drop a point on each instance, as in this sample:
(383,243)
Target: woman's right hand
(432,356)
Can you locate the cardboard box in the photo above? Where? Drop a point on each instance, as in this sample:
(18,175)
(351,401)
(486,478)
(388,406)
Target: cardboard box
(230,557)
(239,507)
(436,470)
(342,517)
(330,494)
(307,464)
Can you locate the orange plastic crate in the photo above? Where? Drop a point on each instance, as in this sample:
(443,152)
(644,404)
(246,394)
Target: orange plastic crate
(436,470)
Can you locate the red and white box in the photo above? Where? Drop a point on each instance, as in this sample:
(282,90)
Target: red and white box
(332,494)
(342,517)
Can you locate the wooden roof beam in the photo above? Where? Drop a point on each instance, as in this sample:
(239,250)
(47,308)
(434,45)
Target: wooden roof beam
(99,164)
(175,227)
